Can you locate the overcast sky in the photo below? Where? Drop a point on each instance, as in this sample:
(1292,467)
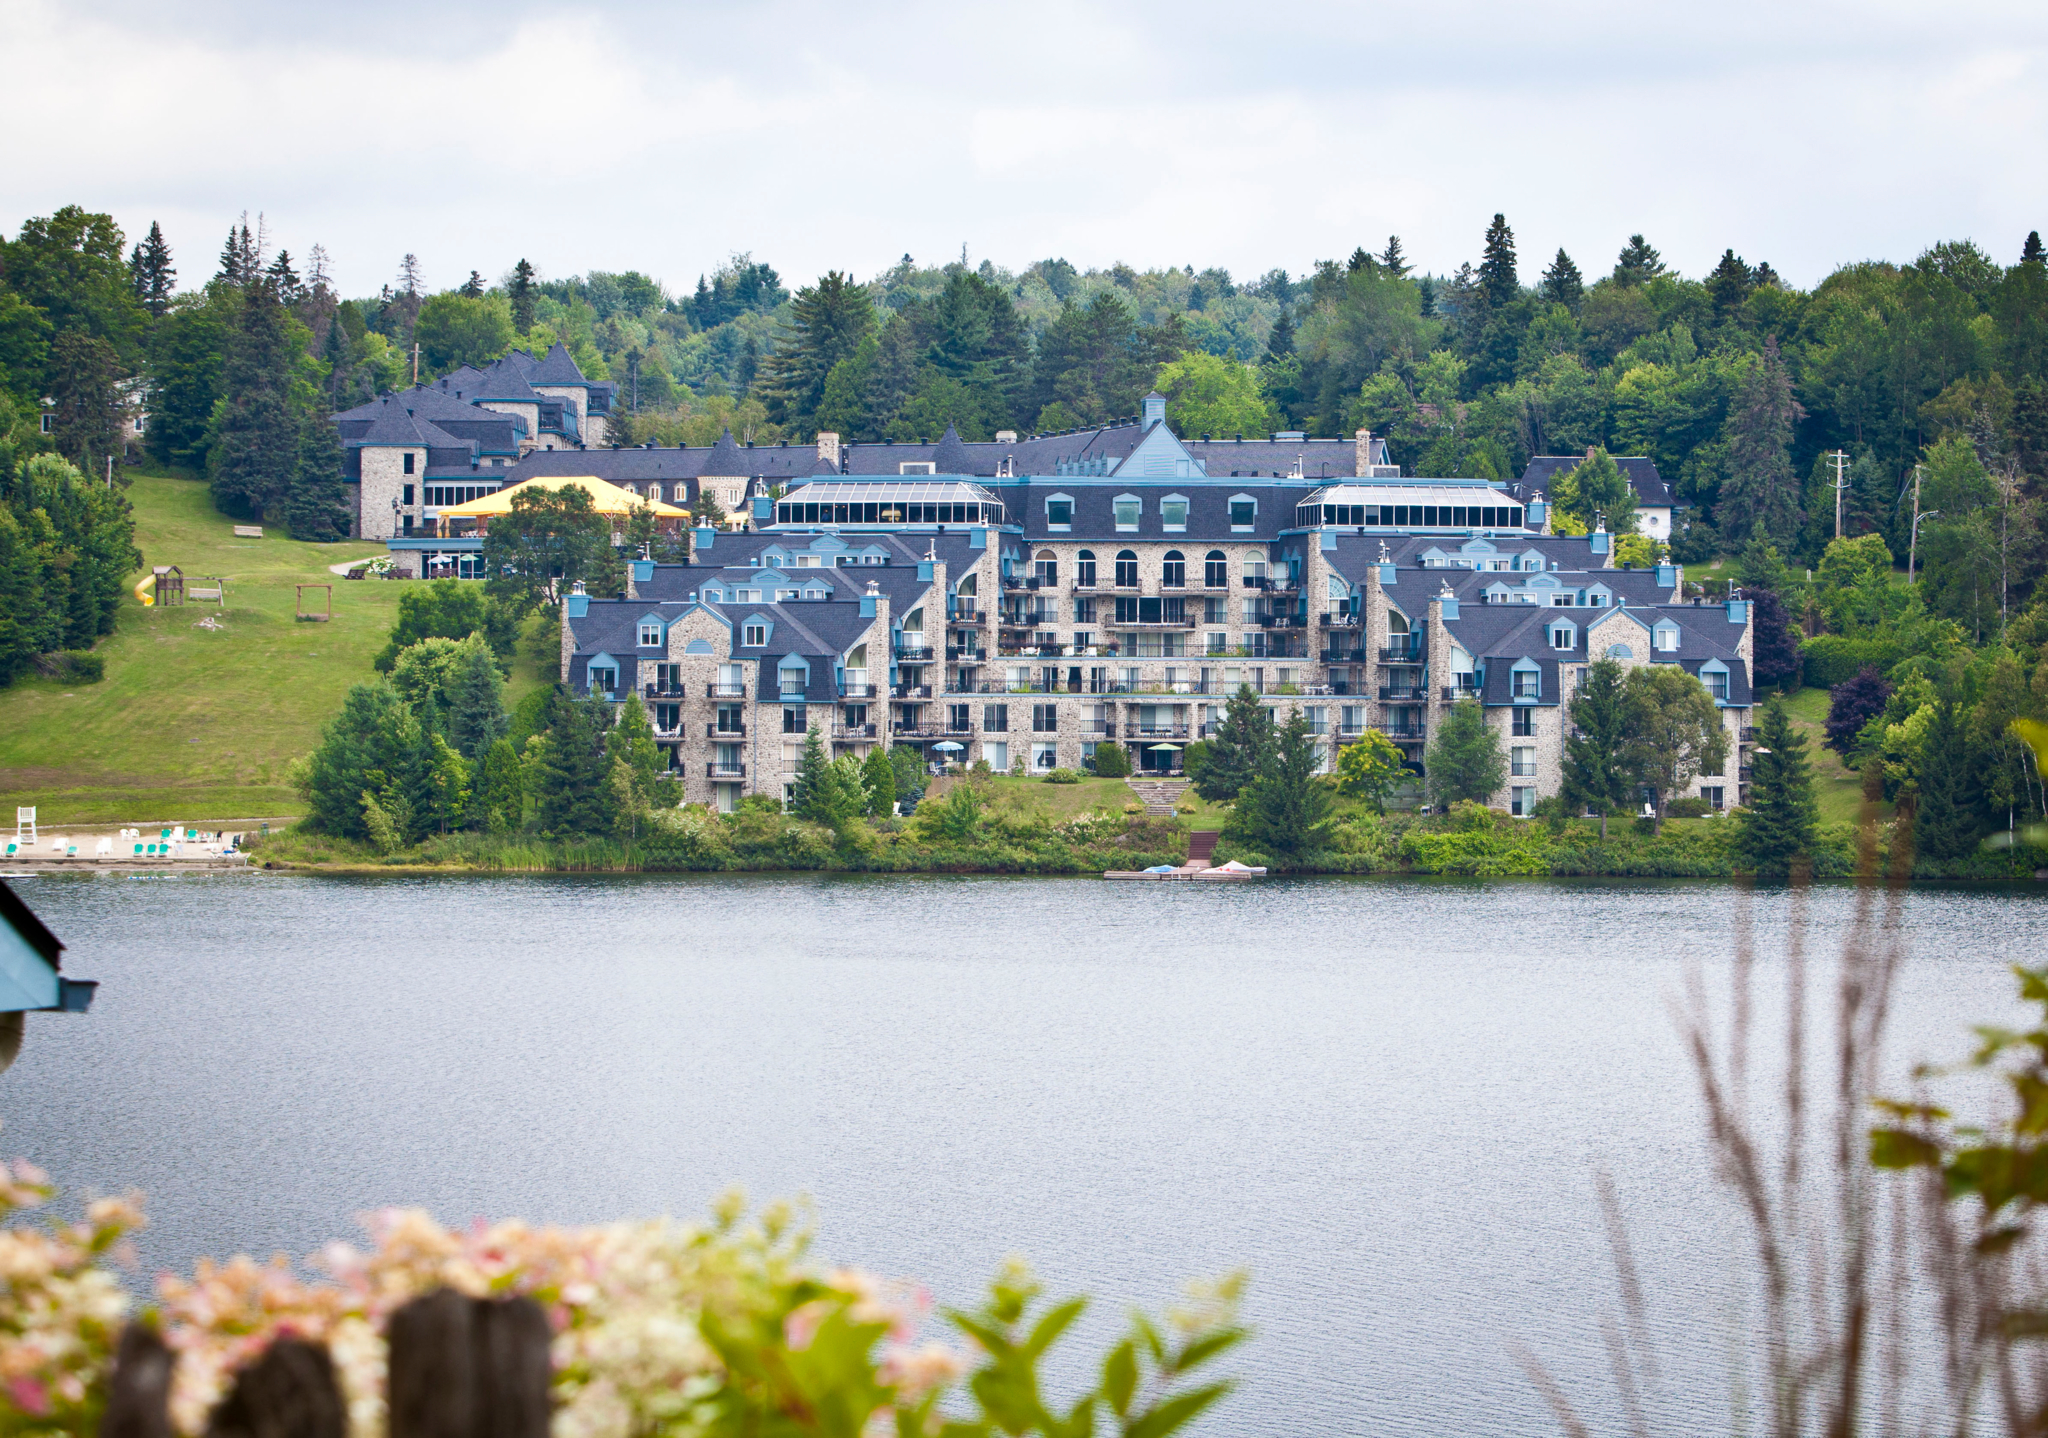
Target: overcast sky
(662,137)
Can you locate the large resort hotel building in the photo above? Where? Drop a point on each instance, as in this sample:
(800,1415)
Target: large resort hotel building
(1033,598)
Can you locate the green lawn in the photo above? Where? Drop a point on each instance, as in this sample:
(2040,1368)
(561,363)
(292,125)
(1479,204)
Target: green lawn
(191,723)
(1839,788)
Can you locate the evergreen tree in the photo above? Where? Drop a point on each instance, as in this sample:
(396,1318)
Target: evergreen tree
(878,778)
(1852,704)
(151,272)
(1360,262)
(1464,759)
(1241,749)
(1777,646)
(238,258)
(316,507)
(476,713)
(85,373)
(1596,776)
(522,292)
(1280,342)
(283,280)
(352,758)
(1562,283)
(908,766)
(1392,260)
(1729,283)
(569,795)
(341,390)
(1286,809)
(1944,826)
(498,798)
(1782,816)
(1760,485)
(828,322)
(1498,281)
(2031,252)
(1638,263)
(810,792)
(473,287)
(253,442)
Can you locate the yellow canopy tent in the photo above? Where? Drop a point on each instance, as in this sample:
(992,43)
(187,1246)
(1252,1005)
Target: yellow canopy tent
(605,497)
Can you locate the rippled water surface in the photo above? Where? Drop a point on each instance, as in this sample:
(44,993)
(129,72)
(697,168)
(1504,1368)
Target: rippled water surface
(1386,1099)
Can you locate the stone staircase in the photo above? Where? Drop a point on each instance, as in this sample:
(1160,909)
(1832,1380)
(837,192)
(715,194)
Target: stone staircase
(1159,795)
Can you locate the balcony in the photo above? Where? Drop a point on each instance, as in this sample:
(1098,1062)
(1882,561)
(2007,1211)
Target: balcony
(1281,621)
(1338,621)
(854,731)
(665,691)
(1452,693)
(1028,619)
(1024,582)
(857,691)
(966,656)
(1185,622)
(1084,582)
(733,732)
(1341,656)
(1404,693)
(1400,729)
(919,729)
(1271,584)
(968,619)
(725,691)
(716,770)
(1748,734)
(914,653)
(910,691)
(1155,731)
(1522,771)
(1401,655)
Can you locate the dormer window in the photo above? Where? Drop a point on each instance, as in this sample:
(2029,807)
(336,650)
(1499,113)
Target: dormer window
(1561,637)
(754,634)
(917,467)
(1667,638)
(1173,512)
(1059,514)
(1716,681)
(1528,684)
(650,636)
(1128,508)
(1244,513)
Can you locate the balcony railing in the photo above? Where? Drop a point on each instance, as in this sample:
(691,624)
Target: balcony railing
(971,620)
(1338,621)
(1155,731)
(665,691)
(914,653)
(922,729)
(857,691)
(1748,734)
(1029,619)
(1025,581)
(1186,621)
(853,731)
(1280,621)
(734,732)
(1395,728)
(1522,771)
(1342,656)
(715,770)
(1408,693)
(725,691)
(910,691)
(966,656)
(1404,654)
(1452,693)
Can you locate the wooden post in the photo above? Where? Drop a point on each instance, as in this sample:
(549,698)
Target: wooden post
(468,1368)
(290,1392)
(139,1389)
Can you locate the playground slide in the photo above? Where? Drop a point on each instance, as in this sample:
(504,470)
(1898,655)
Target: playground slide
(145,589)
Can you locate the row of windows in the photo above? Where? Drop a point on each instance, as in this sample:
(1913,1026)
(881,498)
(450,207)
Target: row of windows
(794,512)
(1173,569)
(439,495)
(1129,510)
(1423,516)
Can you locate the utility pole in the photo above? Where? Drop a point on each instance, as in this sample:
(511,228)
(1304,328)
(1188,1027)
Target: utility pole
(1841,458)
(1913,539)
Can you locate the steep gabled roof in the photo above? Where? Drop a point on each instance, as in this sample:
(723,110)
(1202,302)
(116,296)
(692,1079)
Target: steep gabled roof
(726,460)
(557,368)
(951,456)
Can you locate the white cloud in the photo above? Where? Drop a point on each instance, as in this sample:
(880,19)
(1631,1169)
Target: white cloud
(615,135)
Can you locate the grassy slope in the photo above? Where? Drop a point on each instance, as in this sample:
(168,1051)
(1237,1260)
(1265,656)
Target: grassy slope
(1839,789)
(190,723)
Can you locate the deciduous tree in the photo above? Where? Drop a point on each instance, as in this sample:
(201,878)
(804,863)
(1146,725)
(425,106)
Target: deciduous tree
(1464,759)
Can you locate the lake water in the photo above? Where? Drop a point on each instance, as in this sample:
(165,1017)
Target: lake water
(1386,1098)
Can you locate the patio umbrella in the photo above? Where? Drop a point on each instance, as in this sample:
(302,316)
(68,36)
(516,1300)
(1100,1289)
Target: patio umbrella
(948,744)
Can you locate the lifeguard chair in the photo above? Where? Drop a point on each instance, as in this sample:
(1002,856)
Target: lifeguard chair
(170,585)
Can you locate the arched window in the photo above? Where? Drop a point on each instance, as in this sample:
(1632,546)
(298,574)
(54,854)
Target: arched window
(1215,570)
(1175,574)
(1126,569)
(1046,567)
(1084,569)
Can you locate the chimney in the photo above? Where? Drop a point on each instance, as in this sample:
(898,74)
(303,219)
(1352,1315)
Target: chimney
(1362,466)
(1589,450)
(1155,409)
(828,447)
